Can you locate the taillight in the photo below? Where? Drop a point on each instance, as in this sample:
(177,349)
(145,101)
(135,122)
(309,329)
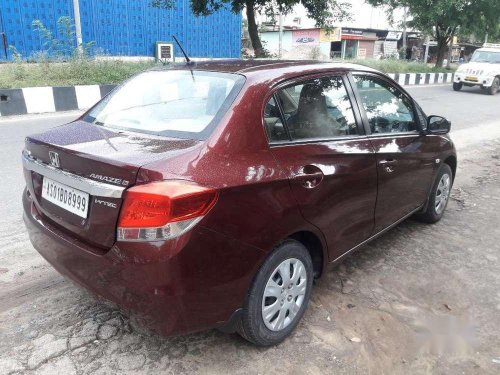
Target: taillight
(163,210)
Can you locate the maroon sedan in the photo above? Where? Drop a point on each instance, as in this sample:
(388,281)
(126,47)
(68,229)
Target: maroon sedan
(212,194)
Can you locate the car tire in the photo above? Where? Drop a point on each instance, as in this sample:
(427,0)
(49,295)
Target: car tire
(457,86)
(439,196)
(289,256)
(495,85)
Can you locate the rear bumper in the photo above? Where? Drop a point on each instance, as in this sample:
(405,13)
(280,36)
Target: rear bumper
(192,283)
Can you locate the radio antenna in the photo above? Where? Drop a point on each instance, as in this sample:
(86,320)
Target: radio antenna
(188,60)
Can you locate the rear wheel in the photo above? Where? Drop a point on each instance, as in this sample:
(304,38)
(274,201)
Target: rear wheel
(438,199)
(457,86)
(279,295)
(495,86)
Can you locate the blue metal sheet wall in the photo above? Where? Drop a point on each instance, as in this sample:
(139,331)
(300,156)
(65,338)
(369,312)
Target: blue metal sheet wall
(125,27)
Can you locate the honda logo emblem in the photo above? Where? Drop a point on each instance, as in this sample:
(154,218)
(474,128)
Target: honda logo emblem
(54,159)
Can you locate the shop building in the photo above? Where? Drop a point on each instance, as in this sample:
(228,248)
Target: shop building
(335,43)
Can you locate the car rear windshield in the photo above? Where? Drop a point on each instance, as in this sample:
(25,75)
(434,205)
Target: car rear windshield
(175,103)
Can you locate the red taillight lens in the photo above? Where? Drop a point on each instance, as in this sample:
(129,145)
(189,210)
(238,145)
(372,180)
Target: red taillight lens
(156,204)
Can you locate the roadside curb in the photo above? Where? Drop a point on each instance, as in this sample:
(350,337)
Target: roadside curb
(33,100)
(412,79)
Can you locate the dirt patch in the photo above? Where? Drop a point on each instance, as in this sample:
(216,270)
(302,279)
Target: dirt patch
(420,299)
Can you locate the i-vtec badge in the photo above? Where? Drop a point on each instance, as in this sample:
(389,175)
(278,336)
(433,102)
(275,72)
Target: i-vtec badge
(105,203)
(112,180)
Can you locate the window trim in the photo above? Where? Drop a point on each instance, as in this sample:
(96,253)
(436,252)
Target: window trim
(282,117)
(343,75)
(362,110)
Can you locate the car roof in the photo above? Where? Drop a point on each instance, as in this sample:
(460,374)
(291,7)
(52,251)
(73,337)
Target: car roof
(489,49)
(271,67)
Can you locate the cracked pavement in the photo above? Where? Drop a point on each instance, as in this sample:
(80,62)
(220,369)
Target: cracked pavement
(422,299)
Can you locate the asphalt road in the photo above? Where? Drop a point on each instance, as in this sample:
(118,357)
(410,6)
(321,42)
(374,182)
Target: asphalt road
(467,108)
(421,299)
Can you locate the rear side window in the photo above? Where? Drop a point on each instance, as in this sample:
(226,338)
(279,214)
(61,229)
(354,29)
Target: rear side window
(176,103)
(316,109)
(274,125)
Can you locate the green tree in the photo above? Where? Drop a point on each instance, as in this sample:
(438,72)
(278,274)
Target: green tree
(443,19)
(324,12)
(488,25)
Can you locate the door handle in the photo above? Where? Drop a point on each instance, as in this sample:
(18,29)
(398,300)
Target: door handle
(310,176)
(388,164)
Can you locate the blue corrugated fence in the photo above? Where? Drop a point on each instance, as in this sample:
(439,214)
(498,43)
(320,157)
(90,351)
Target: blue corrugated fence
(124,27)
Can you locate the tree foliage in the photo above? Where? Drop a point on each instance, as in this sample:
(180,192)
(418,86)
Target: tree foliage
(324,12)
(487,22)
(443,19)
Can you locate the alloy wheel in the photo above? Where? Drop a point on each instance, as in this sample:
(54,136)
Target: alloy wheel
(442,193)
(284,294)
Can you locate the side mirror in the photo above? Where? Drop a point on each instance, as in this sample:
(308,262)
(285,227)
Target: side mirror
(438,125)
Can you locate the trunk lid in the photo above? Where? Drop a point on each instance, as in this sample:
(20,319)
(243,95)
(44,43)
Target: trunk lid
(98,156)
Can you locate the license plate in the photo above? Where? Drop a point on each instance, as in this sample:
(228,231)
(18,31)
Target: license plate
(471,78)
(72,200)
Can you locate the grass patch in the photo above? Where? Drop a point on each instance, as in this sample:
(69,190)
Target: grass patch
(101,72)
(401,66)
(74,72)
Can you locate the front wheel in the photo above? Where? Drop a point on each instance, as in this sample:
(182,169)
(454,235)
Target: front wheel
(438,199)
(279,295)
(457,86)
(493,89)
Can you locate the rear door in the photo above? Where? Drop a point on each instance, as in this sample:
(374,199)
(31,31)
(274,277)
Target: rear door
(405,157)
(315,134)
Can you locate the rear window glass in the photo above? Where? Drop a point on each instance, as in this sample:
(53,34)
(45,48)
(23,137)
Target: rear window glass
(176,103)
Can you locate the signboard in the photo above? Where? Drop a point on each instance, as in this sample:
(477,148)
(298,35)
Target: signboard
(362,53)
(350,31)
(164,52)
(393,35)
(305,37)
(332,35)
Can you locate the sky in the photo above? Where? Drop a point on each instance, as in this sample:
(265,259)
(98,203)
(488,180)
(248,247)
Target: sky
(363,16)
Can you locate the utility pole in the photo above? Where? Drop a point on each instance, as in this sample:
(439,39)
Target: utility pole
(280,35)
(486,38)
(405,15)
(426,54)
(4,36)
(450,52)
(78,25)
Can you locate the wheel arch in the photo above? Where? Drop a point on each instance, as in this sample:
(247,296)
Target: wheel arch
(315,247)
(452,162)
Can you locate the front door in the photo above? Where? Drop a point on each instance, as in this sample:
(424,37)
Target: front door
(405,158)
(315,135)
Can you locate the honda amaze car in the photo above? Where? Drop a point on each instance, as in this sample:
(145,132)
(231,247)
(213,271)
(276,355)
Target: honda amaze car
(212,194)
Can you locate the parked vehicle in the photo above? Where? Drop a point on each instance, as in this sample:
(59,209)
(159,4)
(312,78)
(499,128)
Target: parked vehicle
(212,194)
(483,70)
